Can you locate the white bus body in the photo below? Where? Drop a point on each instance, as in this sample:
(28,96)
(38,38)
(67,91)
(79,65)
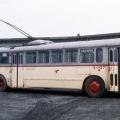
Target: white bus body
(92,66)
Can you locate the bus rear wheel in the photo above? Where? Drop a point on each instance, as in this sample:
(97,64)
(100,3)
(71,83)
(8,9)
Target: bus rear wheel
(3,84)
(94,86)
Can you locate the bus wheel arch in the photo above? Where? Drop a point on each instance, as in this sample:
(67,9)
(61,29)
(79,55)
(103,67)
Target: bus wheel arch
(3,83)
(94,86)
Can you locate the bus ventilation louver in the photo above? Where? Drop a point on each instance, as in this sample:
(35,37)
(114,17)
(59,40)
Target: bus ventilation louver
(116,79)
(112,79)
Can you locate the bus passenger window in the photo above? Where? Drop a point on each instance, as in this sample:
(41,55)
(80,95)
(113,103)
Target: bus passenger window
(20,58)
(57,56)
(111,56)
(115,55)
(30,57)
(71,56)
(4,58)
(43,57)
(87,55)
(14,59)
(99,55)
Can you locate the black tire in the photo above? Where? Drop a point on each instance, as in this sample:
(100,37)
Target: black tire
(3,84)
(94,86)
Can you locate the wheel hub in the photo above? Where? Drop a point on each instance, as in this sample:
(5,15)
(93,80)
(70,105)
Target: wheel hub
(94,86)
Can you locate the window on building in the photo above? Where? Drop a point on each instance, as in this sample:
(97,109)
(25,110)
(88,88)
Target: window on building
(99,55)
(71,56)
(87,55)
(57,56)
(43,57)
(4,58)
(30,57)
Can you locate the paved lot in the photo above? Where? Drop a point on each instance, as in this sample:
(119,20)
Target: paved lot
(52,105)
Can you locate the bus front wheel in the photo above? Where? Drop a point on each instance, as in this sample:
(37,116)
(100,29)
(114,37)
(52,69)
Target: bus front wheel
(94,86)
(3,84)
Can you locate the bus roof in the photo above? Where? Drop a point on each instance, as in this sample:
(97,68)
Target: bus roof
(67,45)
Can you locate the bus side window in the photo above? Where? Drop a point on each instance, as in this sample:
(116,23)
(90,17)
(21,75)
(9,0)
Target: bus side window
(71,56)
(115,55)
(43,57)
(4,58)
(99,55)
(57,56)
(20,58)
(30,57)
(14,59)
(111,56)
(87,55)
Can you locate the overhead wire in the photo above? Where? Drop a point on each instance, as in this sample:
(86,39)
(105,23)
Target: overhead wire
(18,29)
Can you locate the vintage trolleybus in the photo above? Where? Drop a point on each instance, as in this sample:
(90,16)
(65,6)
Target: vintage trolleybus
(91,66)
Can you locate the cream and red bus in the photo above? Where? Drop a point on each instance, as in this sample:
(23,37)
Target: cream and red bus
(91,66)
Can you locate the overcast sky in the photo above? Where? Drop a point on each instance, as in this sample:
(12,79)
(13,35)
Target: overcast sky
(60,17)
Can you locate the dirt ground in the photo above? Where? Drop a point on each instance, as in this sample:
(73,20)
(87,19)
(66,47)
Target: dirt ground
(57,105)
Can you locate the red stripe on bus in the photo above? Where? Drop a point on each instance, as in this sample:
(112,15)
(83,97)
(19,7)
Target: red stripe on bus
(68,65)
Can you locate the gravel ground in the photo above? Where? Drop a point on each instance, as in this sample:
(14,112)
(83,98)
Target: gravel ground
(56,105)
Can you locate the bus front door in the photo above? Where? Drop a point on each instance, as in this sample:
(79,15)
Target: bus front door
(113,69)
(17,70)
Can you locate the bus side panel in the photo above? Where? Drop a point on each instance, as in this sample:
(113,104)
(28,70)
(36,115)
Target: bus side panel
(51,77)
(60,77)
